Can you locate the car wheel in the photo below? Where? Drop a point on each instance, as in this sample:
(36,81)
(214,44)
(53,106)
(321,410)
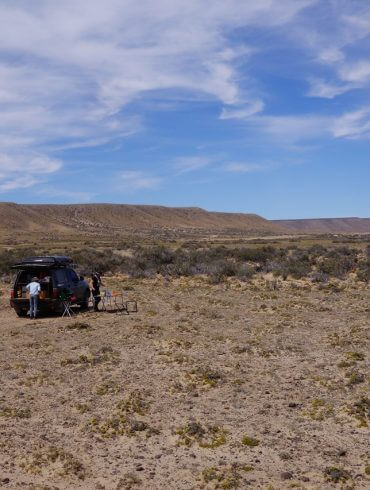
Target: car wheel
(84,305)
(21,313)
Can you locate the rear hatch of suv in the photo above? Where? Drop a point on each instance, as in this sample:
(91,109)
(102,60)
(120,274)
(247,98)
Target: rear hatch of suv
(25,276)
(46,270)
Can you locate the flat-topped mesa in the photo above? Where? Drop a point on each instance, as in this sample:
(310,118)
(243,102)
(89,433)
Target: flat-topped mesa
(90,217)
(326,225)
(110,218)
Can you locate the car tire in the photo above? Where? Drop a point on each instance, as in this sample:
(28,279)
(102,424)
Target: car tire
(21,313)
(84,305)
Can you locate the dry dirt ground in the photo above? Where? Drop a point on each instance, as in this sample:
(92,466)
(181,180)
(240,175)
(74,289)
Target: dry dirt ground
(259,385)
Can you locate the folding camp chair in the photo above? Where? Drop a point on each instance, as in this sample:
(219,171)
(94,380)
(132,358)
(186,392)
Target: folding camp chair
(106,300)
(65,298)
(115,302)
(109,301)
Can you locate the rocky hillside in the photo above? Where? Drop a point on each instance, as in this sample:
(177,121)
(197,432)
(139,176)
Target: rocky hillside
(70,218)
(123,217)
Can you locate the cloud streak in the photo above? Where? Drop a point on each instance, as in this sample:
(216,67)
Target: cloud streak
(133,180)
(191,163)
(244,168)
(68,73)
(328,90)
(72,74)
(353,125)
(23,170)
(334,44)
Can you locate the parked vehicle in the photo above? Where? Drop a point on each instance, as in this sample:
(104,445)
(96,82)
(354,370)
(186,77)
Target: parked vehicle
(56,277)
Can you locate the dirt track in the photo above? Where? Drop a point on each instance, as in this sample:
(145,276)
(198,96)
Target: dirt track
(205,387)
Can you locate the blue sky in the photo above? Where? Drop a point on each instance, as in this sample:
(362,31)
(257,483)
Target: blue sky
(259,107)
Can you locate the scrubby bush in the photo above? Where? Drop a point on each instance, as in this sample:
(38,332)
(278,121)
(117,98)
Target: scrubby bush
(217,262)
(220,270)
(292,267)
(261,255)
(316,251)
(245,271)
(338,262)
(10,257)
(296,263)
(363,272)
(89,260)
(319,277)
(155,257)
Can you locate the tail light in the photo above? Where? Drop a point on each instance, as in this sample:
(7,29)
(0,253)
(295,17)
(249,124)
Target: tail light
(11,293)
(55,293)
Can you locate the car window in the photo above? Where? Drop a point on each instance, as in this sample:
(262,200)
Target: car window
(60,277)
(72,276)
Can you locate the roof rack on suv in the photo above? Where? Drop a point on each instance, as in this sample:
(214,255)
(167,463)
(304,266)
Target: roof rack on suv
(44,261)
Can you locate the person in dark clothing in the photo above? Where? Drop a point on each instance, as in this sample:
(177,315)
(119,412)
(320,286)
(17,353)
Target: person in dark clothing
(96,283)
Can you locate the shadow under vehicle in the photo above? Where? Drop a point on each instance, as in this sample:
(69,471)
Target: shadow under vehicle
(56,277)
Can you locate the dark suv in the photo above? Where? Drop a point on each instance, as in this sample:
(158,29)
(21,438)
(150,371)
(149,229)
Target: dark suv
(56,277)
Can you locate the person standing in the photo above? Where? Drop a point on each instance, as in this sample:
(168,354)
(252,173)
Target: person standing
(96,283)
(34,289)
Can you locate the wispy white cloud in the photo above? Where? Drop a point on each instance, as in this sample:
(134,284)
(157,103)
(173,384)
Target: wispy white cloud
(71,76)
(294,129)
(333,39)
(56,193)
(358,72)
(324,89)
(291,129)
(10,183)
(243,111)
(330,55)
(244,167)
(353,125)
(68,72)
(357,20)
(34,164)
(218,163)
(21,170)
(191,163)
(134,180)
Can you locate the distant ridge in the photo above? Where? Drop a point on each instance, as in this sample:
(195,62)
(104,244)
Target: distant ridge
(124,218)
(326,225)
